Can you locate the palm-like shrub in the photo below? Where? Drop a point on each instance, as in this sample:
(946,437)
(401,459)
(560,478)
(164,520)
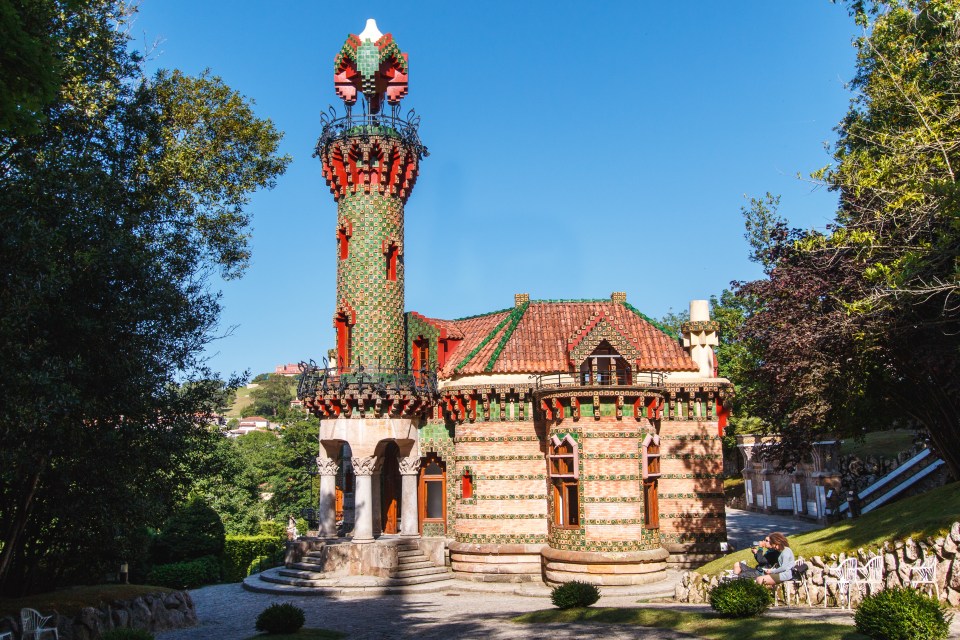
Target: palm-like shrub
(574,594)
(740,598)
(902,614)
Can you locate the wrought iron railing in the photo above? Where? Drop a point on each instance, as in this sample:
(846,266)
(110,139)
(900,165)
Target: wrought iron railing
(650,379)
(358,378)
(365,125)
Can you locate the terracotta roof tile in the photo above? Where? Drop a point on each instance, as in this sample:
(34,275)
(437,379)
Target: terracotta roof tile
(539,341)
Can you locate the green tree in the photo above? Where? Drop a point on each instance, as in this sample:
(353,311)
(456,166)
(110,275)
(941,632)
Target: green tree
(856,327)
(109,227)
(272,396)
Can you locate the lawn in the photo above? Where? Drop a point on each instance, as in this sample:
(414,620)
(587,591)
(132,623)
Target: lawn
(703,625)
(879,443)
(927,515)
(240,402)
(70,601)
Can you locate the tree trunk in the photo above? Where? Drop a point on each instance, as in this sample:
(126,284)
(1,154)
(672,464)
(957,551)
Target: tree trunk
(13,539)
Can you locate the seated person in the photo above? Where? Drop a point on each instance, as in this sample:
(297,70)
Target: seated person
(782,571)
(765,555)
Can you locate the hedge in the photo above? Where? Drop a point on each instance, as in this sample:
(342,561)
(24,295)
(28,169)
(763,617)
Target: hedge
(186,575)
(240,551)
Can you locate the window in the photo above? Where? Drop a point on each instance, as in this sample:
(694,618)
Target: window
(343,239)
(392,264)
(650,463)
(605,366)
(466,485)
(433,490)
(344,352)
(563,465)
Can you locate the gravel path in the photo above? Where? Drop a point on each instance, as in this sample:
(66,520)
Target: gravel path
(227,612)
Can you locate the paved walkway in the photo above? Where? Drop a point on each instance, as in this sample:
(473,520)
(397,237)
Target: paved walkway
(471,610)
(745,527)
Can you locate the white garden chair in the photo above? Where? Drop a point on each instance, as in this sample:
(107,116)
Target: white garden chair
(926,573)
(842,576)
(870,575)
(793,586)
(35,625)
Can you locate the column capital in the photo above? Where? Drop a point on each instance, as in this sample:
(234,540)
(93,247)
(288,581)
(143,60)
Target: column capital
(327,466)
(364,466)
(409,466)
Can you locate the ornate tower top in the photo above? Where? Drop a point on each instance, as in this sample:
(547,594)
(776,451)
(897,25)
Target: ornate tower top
(372,64)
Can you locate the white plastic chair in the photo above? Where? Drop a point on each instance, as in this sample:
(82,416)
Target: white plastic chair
(6,635)
(793,586)
(34,625)
(870,574)
(842,576)
(926,573)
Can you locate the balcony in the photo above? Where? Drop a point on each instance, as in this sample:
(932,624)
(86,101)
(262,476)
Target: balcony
(366,126)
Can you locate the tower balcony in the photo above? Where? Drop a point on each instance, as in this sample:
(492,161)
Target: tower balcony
(367,126)
(361,391)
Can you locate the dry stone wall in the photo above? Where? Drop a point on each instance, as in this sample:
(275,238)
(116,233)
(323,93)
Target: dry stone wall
(153,612)
(898,559)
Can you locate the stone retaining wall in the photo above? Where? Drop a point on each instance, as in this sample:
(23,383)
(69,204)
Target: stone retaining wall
(153,612)
(898,558)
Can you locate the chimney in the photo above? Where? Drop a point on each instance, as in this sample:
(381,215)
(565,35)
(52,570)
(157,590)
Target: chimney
(520,299)
(619,296)
(700,336)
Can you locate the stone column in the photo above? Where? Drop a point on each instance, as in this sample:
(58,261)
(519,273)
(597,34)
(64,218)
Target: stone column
(377,489)
(409,522)
(327,508)
(363,499)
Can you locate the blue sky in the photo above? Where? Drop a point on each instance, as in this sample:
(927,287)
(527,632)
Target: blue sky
(576,148)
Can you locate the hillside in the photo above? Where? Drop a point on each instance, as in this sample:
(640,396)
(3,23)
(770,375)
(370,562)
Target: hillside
(927,515)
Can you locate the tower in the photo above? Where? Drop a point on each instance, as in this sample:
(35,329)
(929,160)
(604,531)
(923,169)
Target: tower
(370,162)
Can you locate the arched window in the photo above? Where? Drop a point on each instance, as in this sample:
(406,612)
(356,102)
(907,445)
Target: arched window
(564,467)
(433,490)
(650,467)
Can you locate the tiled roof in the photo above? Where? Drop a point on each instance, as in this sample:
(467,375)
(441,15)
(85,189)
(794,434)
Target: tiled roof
(537,338)
(453,331)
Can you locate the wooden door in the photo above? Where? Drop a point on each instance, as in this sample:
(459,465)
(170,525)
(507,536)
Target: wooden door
(390,490)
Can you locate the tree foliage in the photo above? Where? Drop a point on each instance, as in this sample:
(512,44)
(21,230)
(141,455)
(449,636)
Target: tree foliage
(115,206)
(858,326)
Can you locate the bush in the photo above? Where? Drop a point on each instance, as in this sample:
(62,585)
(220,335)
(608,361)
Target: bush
(192,532)
(902,614)
(280,618)
(186,575)
(574,594)
(740,598)
(273,529)
(127,634)
(262,563)
(240,551)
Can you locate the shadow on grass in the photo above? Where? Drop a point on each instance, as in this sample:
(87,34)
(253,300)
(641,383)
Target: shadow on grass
(704,625)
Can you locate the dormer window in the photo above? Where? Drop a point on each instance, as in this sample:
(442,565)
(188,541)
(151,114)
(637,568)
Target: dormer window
(605,366)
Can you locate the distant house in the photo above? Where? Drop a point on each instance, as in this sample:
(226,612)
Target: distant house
(289,370)
(251,423)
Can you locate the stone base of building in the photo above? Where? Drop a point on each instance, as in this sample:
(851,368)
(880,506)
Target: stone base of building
(610,569)
(340,557)
(496,562)
(692,555)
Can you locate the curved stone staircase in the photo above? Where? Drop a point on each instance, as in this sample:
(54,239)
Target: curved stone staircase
(414,573)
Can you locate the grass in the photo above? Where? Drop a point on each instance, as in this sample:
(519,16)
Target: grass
(927,515)
(302,634)
(702,625)
(879,443)
(240,402)
(70,601)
